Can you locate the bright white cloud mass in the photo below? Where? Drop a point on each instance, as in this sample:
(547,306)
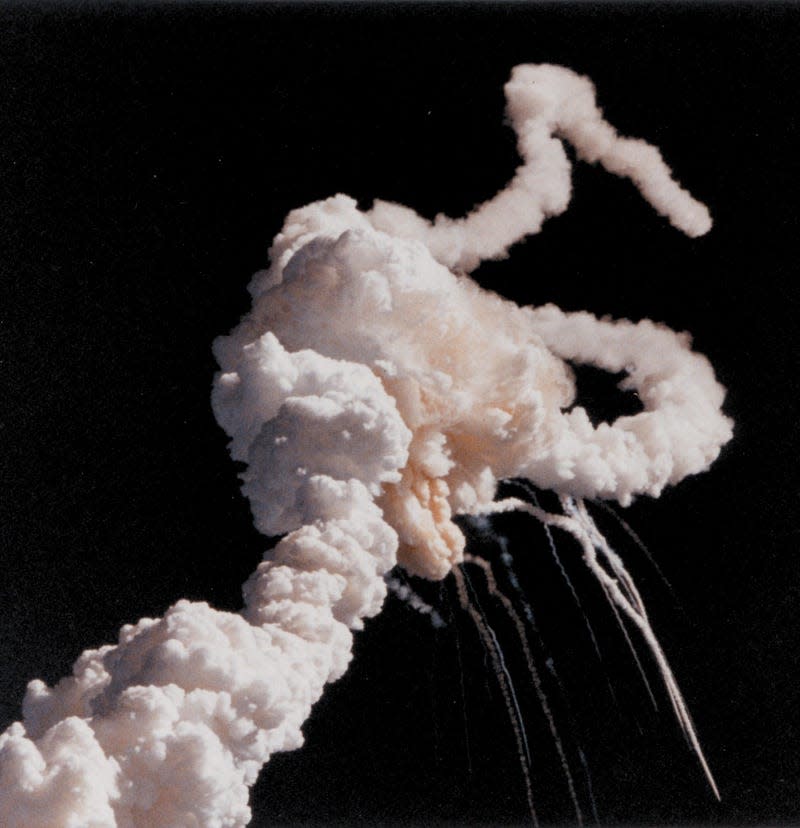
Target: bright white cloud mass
(374,391)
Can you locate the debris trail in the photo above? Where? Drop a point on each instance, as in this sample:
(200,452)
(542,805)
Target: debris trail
(551,545)
(534,674)
(634,536)
(507,559)
(628,601)
(492,647)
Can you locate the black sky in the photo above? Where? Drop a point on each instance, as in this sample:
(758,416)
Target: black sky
(147,157)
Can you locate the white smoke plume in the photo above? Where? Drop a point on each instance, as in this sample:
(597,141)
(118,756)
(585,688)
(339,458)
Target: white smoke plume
(373,394)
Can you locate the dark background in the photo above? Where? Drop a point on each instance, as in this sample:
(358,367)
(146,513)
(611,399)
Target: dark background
(147,157)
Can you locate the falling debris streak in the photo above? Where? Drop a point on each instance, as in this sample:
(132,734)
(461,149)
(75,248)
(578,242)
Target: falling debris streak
(506,559)
(633,535)
(589,787)
(497,651)
(601,544)
(463,699)
(534,674)
(675,696)
(528,610)
(573,592)
(492,647)
(631,593)
(574,527)
(631,649)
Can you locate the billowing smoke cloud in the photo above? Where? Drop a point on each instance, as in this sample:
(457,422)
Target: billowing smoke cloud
(373,394)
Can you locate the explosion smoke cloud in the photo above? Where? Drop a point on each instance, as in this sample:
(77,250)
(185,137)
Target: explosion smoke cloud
(373,393)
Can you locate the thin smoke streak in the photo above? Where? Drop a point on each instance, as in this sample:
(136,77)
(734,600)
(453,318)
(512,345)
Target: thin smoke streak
(535,678)
(573,592)
(549,662)
(529,615)
(634,536)
(492,648)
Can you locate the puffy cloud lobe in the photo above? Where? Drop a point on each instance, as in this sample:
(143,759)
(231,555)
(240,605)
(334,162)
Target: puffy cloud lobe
(295,415)
(63,780)
(372,393)
(172,725)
